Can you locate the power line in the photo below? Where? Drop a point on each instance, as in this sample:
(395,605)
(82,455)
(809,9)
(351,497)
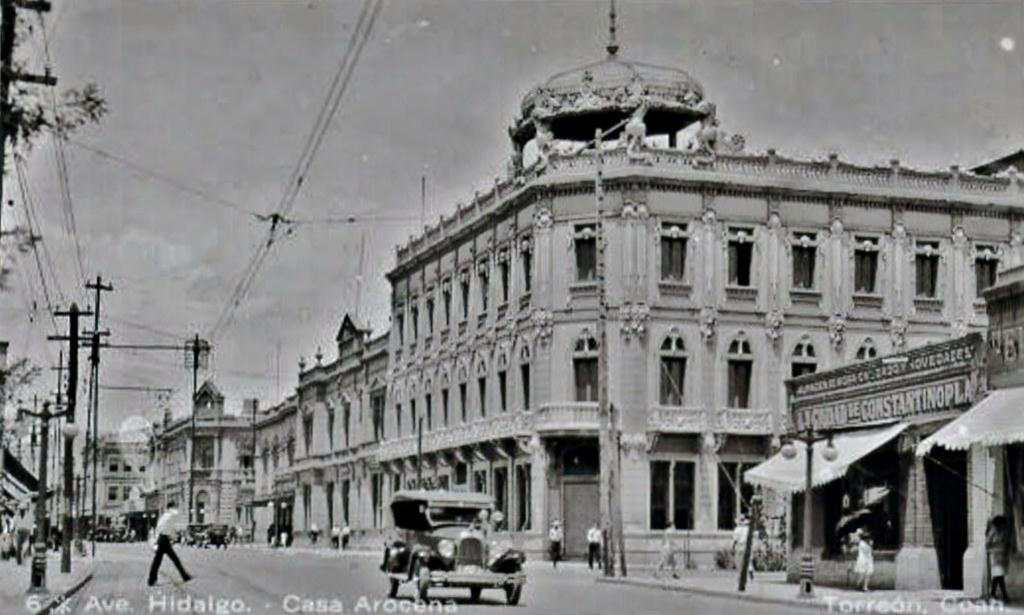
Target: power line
(33,240)
(339,85)
(164,178)
(35,229)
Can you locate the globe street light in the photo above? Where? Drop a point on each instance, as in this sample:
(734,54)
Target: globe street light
(809,437)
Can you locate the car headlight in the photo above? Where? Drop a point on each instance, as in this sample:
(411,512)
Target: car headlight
(446,548)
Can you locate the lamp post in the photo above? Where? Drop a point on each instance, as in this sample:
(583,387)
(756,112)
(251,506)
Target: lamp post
(809,437)
(3,409)
(70,430)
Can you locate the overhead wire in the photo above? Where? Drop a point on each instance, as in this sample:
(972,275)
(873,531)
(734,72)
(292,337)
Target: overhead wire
(339,85)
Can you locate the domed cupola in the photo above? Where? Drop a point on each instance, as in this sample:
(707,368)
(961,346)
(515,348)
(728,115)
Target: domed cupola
(574,104)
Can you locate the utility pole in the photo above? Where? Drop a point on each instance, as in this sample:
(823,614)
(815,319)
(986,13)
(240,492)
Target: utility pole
(419,453)
(197,352)
(8,75)
(94,359)
(3,411)
(73,314)
(604,415)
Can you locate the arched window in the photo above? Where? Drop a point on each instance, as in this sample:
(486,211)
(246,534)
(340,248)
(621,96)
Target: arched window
(584,366)
(741,370)
(672,357)
(867,351)
(524,372)
(804,361)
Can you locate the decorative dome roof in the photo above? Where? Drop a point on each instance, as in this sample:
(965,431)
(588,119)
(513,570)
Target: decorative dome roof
(611,88)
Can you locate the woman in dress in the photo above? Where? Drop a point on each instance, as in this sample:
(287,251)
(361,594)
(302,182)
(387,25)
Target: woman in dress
(998,554)
(865,565)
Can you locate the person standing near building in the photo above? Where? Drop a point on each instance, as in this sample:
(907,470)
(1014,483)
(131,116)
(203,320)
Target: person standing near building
(164,530)
(335,536)
(865,565)
(593,547)
(996,548)
(555,538)
(24,528)
(314,531)
(346,533)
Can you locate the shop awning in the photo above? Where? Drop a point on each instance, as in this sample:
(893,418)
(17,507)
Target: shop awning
(998,419)
(790,475)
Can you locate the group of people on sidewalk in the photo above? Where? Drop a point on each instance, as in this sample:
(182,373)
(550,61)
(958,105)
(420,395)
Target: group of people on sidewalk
(17,530)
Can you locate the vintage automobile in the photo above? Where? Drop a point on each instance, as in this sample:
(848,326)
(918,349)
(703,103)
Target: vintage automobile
(446,543)
(217,536)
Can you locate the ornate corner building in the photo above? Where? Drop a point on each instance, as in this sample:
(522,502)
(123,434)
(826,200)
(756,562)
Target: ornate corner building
(725,273)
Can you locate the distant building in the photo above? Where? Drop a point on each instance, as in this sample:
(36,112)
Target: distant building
(122,464)
(223,473)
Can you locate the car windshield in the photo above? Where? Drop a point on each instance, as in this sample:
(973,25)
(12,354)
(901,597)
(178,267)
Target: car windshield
(444,515)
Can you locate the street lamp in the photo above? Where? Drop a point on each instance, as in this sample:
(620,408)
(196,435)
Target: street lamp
(809,437)
(38,578)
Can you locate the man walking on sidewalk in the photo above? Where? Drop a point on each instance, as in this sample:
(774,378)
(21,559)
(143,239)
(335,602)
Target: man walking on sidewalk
(593,547)
(24,530)
(164,528)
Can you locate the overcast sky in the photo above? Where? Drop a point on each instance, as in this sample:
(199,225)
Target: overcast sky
(220,96)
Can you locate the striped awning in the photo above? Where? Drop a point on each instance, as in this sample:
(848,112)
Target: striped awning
(995,420)
(790,475)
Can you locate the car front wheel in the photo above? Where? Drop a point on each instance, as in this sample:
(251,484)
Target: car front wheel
(513,593)
(474,594)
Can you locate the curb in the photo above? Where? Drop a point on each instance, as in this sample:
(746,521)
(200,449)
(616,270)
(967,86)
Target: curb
(57,600)
(816,603)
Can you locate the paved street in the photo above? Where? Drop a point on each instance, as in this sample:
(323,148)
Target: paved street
(263,581)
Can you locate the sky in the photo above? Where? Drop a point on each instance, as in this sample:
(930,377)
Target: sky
(219,97)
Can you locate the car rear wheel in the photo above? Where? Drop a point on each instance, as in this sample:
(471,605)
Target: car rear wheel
(422,575)
(393,588)
(474,594)
(513,593)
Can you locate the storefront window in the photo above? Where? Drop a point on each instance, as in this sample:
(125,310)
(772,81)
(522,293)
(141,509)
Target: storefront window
(734,494)
(672,495)
(867,497)
(1013,501)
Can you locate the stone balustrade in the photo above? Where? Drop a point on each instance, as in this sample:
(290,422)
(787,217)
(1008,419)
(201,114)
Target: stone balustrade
(676,419)
(566,416)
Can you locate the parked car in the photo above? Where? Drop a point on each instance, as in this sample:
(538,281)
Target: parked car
(446,544)
(217,536)
(196,534)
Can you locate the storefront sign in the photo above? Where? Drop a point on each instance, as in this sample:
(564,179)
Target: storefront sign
(905,405)
(936,357)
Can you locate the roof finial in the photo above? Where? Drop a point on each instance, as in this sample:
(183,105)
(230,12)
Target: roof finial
(613,46)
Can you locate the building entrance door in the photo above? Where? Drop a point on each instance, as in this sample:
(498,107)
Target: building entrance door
(581,503)
(945,472)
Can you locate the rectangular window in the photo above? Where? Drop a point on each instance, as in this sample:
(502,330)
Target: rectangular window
(113,466)
(741,255)
(985,274)
(865,265)
(430,316)
(739,383)
(805,250)
(428,410)
(585,373)
(802,369)
(524,379)
(503,277)
(500,489)
(673,372)
(414,424)
(527,262)
(523,497)
(463,405)
(126,493)
(127,468)
(446,297)
(444,406)
(307,432)
(347,417)
(503,391)
(734,493)
(481,384)
(926,263)
(329,496)
(464,294)
(400,326)
(377,408)
(377,498)
(346,486)
(683,495)
(673,252)
(112,494)
(484,276)
(330,429)
(660,496)
(414,320)
(398,420)
(461,473)
(480,481)
(586,252)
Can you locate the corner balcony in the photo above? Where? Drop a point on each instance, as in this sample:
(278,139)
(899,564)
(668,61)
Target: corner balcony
(677,419)
(567,418)
(505,425)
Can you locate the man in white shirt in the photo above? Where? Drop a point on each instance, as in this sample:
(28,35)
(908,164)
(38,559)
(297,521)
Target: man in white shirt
(555,536)
(164,528)
(593,547)
(346,533)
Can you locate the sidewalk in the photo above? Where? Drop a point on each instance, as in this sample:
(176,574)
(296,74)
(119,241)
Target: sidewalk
(771,588)
(14,583)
